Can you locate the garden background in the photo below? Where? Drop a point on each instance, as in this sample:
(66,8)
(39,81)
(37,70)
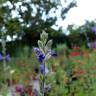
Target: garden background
(72,72)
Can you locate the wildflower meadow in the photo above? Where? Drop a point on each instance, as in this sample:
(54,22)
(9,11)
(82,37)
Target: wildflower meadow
(42,55)
(47,72)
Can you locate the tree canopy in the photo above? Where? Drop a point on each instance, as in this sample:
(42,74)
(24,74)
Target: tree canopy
(19,17)
(24,20)
(83,34)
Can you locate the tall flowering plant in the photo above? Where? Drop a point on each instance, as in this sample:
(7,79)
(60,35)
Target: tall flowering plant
(43,53)
(4,58)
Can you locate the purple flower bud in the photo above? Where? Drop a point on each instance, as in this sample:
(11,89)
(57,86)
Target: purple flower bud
(54,54)
(37,51)
(39,55)
(1,57)
(42,69)
(41,58)
(7,57)
(94,29)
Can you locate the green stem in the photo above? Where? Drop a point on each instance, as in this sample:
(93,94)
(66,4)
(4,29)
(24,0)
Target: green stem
(4,55)
(43,83)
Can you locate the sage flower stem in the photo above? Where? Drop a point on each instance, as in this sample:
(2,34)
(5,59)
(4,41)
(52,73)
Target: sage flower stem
(43,83)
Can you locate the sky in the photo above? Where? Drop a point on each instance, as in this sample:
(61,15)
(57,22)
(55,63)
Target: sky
(85,10)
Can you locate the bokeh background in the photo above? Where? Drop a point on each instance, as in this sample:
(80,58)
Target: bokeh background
(71,24)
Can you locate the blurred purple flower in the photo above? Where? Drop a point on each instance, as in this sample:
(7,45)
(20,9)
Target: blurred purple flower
(1,57)
(35,92)
(51,53)
(19,88)
(7,57)
(41,58)
(39,55)
(42,69)
(94,44)
(54,54)
(94,29)
(37,51)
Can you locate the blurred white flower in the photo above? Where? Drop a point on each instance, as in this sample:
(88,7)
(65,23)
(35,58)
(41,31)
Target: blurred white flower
(12,71)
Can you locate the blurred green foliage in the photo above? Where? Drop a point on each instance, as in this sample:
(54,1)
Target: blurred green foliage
(26,19)
(79,34)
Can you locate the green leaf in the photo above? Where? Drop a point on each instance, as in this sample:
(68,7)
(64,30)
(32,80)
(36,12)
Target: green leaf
(49,44)
(40,44)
